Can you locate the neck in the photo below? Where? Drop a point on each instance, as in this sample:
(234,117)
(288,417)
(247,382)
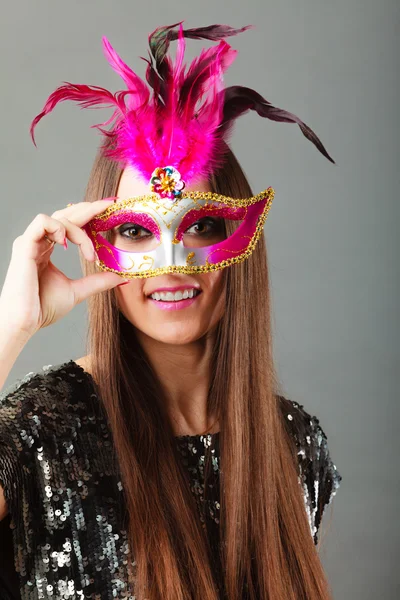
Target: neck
(184,372)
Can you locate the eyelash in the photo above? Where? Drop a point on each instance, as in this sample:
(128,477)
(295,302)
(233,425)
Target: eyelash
(123,229)
(205,220)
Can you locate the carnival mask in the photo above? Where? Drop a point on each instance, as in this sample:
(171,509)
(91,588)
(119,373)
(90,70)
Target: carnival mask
(152,235)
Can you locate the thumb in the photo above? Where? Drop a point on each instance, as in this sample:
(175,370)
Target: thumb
(94,284)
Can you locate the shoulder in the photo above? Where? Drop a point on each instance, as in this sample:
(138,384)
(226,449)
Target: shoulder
(319,474)
(39,400)
(49,377)
(41,385)
(37,412)
(305,429)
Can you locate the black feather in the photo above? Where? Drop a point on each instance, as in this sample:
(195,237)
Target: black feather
(239,99)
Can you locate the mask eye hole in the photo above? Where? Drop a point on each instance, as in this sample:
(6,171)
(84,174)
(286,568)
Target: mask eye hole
(206,231)
(130,231)
(133,237)
(208,226)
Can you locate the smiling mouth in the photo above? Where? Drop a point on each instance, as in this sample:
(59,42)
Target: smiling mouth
(175,296)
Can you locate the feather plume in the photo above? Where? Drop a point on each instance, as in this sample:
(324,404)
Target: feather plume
(175,116)
(132,81)
(87,97)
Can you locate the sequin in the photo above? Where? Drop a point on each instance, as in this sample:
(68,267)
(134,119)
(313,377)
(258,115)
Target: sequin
(167,182)
(64,492)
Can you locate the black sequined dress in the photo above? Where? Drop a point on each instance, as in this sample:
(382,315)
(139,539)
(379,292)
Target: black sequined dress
(63,537)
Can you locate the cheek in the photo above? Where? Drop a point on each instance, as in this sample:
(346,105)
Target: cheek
(214,285)
(215,281)
(130,297)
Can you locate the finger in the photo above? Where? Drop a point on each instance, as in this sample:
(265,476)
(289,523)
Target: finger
(83,212)
(93,284)
(43,225)
(79,237)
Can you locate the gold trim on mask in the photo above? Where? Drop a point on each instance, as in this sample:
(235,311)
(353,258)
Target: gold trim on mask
(191,259)
(146,263)
(269,194)
(109,250)
(169,205)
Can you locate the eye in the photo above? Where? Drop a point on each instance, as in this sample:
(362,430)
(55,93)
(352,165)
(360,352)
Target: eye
(205,227)
(133,231)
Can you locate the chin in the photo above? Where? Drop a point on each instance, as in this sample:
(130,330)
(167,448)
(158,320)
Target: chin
(175,334)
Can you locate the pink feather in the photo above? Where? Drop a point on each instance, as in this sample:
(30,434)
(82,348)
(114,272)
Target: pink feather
(132,81)
(87,97)
(179,132)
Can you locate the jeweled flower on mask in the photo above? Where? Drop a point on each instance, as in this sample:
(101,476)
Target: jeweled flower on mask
(167,182)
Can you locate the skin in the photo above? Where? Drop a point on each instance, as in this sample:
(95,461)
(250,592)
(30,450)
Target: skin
(178,343)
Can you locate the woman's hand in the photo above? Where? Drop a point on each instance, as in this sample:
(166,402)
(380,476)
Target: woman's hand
(36,293)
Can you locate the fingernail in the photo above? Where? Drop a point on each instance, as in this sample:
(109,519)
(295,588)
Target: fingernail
(110,198)
(65,243)
(123,283)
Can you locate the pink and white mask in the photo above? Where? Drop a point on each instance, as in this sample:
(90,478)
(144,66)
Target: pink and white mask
(151,235)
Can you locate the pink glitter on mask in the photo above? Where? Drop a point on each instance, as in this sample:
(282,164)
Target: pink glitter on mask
(125,216)
(227,212)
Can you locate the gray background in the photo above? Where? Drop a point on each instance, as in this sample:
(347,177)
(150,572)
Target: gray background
(331,232)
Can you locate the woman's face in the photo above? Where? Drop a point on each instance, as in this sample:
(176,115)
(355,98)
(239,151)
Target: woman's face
(160,317)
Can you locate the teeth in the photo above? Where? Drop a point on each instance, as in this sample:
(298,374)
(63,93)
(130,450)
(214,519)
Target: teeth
(174,297)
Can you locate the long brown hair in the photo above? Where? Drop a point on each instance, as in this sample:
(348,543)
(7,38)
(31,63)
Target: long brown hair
(265,539)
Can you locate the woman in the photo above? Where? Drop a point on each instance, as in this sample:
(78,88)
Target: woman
(164,463)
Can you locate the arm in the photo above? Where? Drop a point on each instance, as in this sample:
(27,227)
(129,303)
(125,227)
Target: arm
(11,347)
(3,505)
(12,344)
(326,474)
(319,475)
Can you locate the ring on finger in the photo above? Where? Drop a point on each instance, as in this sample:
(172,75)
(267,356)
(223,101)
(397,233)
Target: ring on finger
(49,241)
